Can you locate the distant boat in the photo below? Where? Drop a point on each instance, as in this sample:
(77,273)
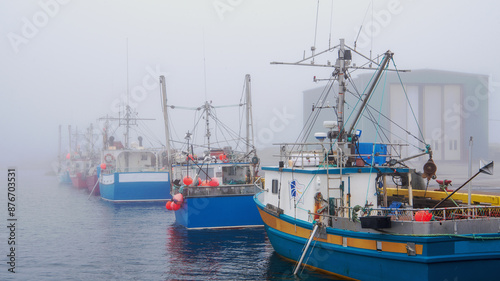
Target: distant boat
(63,177)
(78,171)
(132,173)
(326,206)
(216,188)
(93,180)
(62,167)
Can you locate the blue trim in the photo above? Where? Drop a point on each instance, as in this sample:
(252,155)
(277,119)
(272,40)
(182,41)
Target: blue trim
(443,258)
(219,212)
(135,191)
(336,171)
(201,165)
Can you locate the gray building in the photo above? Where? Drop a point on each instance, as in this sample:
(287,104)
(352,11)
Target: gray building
(443,108)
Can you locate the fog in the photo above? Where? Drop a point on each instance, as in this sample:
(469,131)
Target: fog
(69,62)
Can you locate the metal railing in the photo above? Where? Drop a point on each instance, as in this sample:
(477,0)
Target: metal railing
(224,190)
(439,214)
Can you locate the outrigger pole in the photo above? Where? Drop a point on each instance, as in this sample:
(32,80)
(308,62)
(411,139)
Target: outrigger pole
(165,117)
(487,169)
(383,65)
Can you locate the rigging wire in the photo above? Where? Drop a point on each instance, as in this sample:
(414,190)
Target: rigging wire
(376,137)
(364,18)
(407,99)
(316,28)
(313,116)
(371,117)
(390,120)
(331,25)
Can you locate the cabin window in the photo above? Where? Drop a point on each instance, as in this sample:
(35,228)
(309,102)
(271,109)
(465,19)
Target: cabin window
(274,187)
(235,175)
(144,157)
(205,174)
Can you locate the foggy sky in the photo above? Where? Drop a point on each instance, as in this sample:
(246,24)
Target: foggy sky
(65,62)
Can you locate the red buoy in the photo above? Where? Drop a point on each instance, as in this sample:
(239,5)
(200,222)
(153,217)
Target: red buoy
(214,182)
(175,207)
(103,166)
(169,205)
(423,216)
(68,156)
(187,180)
(222,157)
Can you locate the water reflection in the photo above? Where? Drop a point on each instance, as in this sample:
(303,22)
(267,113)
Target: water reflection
(226,254)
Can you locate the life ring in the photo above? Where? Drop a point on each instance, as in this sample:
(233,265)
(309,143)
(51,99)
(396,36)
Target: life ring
(255,160)
(109,158)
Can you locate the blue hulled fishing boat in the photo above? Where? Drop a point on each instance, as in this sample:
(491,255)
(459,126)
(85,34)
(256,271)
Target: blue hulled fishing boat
(325,205)
(215,189)
(132,173)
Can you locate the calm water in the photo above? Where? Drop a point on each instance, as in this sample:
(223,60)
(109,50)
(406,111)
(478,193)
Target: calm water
(61,235)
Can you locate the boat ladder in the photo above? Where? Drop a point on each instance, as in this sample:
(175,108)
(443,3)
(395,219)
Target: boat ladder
(335,189)
(305,249)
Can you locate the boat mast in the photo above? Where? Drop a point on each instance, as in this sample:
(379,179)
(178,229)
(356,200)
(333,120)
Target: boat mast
(59,153)
(341,97)
(250,140)
(207,108)
(76,139)
(165,116)
(69,133)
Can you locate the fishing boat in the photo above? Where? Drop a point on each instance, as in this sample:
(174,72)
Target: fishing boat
(92,180)
(63,163)
(93,173)
(326,204)
(78,169)
(215,189)
(131,173)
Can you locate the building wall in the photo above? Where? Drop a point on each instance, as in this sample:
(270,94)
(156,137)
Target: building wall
(449,107)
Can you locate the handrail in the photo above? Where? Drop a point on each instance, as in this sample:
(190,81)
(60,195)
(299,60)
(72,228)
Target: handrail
(438,214)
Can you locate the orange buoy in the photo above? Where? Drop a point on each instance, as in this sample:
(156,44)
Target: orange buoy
(222,157)
(204,183)
(175,207)
(103,166)
(187,180)
(169,205)
(68,156)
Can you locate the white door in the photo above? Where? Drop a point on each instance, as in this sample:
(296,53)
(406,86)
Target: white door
(433,130)
(452,122)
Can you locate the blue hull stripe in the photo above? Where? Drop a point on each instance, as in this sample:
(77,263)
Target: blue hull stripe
(135,191)
(219,212)
(442,258)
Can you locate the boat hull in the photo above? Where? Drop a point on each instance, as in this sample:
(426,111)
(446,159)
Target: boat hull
(64,178)
(93,185)
(375,256)
(231,211)
(135,186)
(78,180)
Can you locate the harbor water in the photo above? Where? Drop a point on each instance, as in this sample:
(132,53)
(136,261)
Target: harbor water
(61,234)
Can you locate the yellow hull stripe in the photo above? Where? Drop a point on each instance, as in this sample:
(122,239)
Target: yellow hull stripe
(367,244)
(439,195)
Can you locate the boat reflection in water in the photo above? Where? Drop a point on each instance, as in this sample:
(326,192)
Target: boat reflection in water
(226,254)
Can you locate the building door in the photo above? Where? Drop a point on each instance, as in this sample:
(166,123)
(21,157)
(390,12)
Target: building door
(433,129)
(452,122)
